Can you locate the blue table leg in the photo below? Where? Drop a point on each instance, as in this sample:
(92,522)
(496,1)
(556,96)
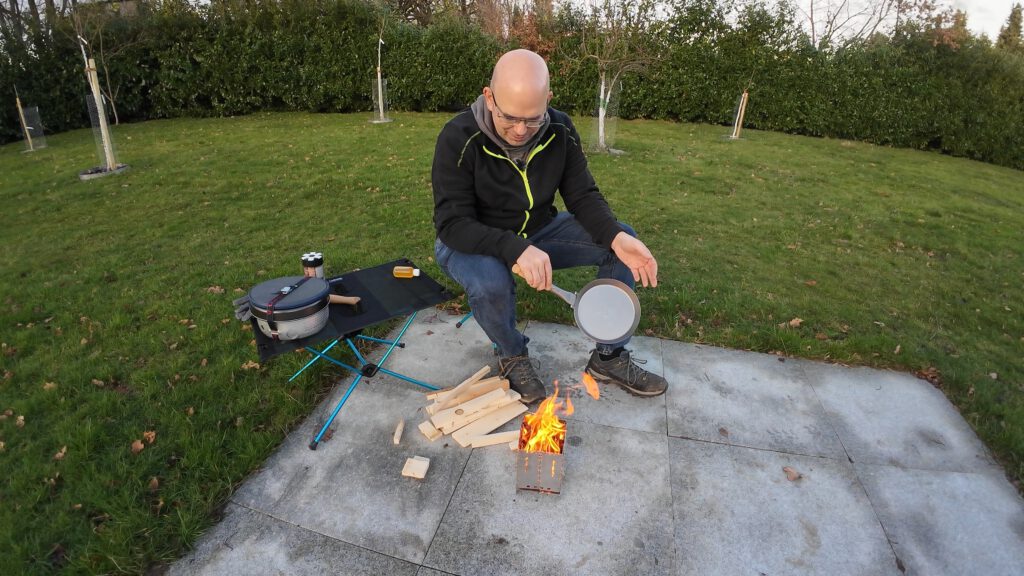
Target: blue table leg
(316,440)
(397,342)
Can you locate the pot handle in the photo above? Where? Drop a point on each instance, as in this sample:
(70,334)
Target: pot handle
(338,299)
(569,297)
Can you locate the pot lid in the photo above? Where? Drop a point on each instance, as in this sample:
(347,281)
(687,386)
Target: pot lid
(309,292)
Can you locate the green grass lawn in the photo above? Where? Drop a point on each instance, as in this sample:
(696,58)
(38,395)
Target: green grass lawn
(116,293)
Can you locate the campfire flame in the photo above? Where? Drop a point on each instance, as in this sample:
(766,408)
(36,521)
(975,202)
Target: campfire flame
(543,431)
(591,385)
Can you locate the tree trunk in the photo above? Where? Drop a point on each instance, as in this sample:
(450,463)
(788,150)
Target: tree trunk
(35,23)
(602,111)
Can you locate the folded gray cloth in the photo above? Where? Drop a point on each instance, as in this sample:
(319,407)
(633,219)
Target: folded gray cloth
(242,311)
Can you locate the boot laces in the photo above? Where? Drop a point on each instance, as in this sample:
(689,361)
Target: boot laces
(633,370)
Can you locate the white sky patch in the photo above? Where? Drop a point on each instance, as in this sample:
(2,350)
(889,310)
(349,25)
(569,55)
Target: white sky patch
(986,16)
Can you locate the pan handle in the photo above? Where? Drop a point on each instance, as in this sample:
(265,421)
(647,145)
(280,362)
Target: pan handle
(569,297)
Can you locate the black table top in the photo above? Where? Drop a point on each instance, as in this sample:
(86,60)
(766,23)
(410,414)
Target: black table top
(382,296)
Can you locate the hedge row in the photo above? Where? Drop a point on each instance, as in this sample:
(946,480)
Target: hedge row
(234,57)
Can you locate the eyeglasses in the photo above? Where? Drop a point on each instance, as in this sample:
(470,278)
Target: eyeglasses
(528,122)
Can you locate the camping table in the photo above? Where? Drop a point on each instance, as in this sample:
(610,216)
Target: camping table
(382,297)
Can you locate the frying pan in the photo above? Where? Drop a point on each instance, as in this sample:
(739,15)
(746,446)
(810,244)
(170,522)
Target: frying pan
(606,310)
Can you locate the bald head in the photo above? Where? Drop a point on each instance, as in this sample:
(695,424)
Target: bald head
(520,72)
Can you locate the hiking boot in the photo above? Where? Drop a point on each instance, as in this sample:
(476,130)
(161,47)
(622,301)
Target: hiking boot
(522,378)
(625,371)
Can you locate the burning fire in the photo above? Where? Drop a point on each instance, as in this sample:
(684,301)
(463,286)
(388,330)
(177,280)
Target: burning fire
(591,386)
(543,430)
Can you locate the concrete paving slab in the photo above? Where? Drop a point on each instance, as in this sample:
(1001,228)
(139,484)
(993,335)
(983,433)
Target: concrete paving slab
(949,523)
(250,543)
(731,508)
(886,417)
(561,353)
(736,512)
(612,517)
(439,353)
(745,399)
(351,487)
(424,571)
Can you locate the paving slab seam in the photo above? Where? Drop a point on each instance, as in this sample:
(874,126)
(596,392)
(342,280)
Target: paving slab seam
(328,536)
(824,410)
(874,510)
(758,448)
(856,473)
(440,521)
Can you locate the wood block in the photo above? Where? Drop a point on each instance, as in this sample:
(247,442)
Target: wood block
(445,418)
(479,389)
(429,431)
(465,384)
(488,423)
(460,421)
(498,438)
(433,394)
(398,432)
(416,467)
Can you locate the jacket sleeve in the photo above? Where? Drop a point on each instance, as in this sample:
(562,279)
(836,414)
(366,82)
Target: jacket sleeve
(455,203)
(582,197)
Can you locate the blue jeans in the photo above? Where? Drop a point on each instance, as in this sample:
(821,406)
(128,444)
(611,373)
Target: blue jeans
(491,289)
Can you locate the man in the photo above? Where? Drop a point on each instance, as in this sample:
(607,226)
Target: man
(496,168)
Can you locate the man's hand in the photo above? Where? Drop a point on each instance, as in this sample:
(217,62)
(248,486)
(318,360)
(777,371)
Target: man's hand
(534,266)
(635,255)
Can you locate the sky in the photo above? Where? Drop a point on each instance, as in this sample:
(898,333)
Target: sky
(986,16)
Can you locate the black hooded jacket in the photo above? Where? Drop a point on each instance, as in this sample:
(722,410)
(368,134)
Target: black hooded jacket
(485,203)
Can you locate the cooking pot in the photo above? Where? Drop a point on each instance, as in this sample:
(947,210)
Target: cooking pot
(291,307)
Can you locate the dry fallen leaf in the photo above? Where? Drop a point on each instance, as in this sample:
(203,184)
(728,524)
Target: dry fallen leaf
(811,282)
(84,341)
(49,386)
(239,291)
(137,446)
(993,375)
(792,474)
(970,391)
(149,436)
(154,484)
(60,455)
(821,336)
(203,362)
(897,350)
(723,431)
(8,374)
(190,411)
(20,423)
(250,365)
(931,374)
(225,320)
(97,382)
(76,507)
(215,290)
(795,323)
(2,446)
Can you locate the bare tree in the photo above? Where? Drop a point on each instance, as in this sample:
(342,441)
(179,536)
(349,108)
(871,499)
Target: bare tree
(833,21)
(613,35)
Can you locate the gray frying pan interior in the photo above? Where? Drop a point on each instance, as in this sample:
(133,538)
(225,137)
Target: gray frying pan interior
(606,311)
